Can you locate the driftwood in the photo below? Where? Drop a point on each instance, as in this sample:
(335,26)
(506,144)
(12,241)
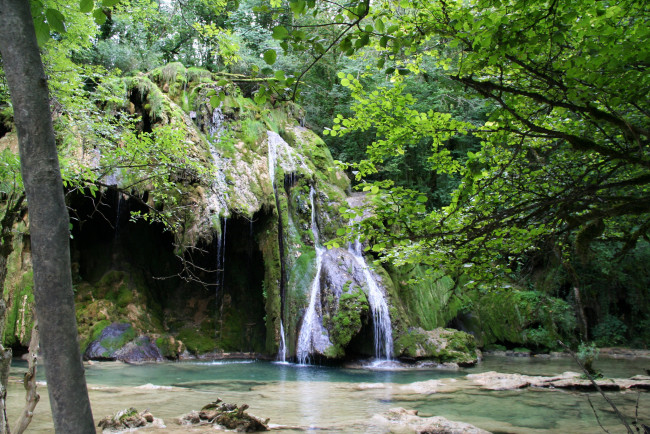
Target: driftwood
(598,388)
(126,419)
(229,416)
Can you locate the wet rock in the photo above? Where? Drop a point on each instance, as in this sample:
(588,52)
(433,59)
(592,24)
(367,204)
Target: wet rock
(442,345)
(229,416)
(129,419)
(403,420)
(118,341)
(139,350)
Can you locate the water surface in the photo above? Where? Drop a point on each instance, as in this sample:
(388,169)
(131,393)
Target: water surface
(342,400)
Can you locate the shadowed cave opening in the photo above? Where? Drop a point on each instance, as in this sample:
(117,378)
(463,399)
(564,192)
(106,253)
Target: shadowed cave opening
(224,311)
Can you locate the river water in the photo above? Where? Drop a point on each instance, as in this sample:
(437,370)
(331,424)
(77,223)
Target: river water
(344,400)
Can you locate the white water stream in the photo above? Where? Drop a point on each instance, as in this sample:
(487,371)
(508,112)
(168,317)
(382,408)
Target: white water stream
(312,333)
(378,307)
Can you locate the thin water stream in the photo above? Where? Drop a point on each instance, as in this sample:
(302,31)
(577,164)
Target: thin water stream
(340,400)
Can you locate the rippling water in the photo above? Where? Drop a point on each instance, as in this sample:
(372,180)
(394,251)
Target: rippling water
(343,400)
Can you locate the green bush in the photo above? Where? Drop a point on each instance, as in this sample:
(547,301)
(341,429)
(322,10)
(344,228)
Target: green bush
(610,331)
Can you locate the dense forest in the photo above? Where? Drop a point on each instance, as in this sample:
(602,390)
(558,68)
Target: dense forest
(502,148)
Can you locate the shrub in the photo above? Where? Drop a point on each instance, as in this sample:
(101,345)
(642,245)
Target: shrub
(609,332)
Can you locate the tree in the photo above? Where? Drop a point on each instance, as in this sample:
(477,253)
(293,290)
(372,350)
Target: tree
(48,218)
(564,157)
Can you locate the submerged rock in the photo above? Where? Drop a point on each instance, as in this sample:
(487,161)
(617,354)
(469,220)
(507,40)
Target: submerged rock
(229,416)
(442,345)
(402,420)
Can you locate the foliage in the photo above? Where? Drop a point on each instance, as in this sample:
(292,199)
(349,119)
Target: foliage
(610,331)
(587,354)
(563,154)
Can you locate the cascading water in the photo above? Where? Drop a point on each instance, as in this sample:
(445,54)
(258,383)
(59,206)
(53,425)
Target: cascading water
(216,123)
(274,140)
(221,268)
(312,329)
(378,307)
(282,352)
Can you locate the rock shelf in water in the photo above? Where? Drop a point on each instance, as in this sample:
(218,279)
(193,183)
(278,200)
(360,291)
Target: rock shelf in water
(403,420)
(568,380)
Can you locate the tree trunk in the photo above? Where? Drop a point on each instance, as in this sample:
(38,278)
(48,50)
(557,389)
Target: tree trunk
(48,220)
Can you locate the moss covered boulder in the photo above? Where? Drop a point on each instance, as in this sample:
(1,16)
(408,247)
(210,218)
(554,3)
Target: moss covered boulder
(118,341)
(441,344)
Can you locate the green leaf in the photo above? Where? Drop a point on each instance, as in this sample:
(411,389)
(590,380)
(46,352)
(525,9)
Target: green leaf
(345,82)
(100,16)
(298,7)
(56,20)
(215,101)
(279,75)
(86,6)
(379,25)
(270,56)
(42,31)
(110,3)
(222,82)
(280,33)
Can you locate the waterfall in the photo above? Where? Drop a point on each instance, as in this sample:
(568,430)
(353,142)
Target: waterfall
(221,270)
(118,213)
(379,308)
(273,155)
(311,329)
(282,353)
(215,127)
(274,140)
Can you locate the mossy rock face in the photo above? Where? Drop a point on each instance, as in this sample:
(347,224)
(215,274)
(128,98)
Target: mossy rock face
(347,322)
(196,341)
(442,345)
(170,347)
(521,318)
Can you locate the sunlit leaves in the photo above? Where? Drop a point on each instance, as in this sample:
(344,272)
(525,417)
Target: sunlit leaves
(270,56)
(86,6)
(55,19)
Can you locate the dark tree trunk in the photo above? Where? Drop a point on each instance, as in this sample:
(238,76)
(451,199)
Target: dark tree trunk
(48,219)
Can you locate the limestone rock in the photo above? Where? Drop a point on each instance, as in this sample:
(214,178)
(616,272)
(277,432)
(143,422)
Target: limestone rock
(568,380)
(118,341)
(403,420)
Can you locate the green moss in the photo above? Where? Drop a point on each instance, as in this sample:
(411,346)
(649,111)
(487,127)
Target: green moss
(19,317)
(523,317)
(195,341)
(442,345)
(346,322)
(114,344)
(170,347)
(422,299)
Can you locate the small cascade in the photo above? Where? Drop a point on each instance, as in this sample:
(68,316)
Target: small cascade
(273,141)
(282,352)
(379,308)
(215,127)
(311,330)
(118,213)
(221,270)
